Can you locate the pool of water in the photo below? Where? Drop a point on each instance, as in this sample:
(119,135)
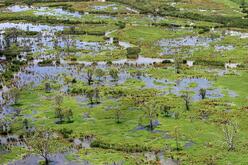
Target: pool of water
(198,84)
(11,140)
(58,12)
(139,61)
(242,35)
(19,8)
(172,46)
(55,159)
(125,44)
(45,41)
(224,47)
(30,27)
(104,7)
(186,41)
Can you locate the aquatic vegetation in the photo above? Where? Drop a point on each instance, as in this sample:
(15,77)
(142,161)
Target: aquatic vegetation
(123,82)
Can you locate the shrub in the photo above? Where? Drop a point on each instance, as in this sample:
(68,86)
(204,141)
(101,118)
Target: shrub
(133,52)
(46,62)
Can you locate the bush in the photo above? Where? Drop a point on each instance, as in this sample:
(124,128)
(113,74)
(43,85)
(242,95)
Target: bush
(210,63)
(65,132)
(121,24)
(166,61)
(133,52)
(8,2)
(46,62)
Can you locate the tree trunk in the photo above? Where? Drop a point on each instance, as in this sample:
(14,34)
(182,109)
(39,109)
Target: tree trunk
(46,161)
(89,80)
(117,117)
(187,105)
(151,125)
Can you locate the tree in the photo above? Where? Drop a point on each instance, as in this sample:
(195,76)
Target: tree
(48,87)
(89,75)
(58,100)
(93,94)
(133,52)
(151,114)
(45,142)
(59,114)
(99,73)
(28,2)
(177,62)
(25,124)
(56,44)
(90,95)
(165,110)
(117,109)
(186,97)
(14,94)
(177,136)
(156,10)
(11,52)
(138,74)
(72,29)
(230,130)
(118,114)
(242,4)
(64,115)
(203,93)
(68,115)
(58,109)
(11,37)
(97,95)
(113,72)
(8,2)
(68,42)
(121,24)
(27,127)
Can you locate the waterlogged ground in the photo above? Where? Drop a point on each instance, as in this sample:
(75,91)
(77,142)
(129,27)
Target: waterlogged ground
(174,63)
